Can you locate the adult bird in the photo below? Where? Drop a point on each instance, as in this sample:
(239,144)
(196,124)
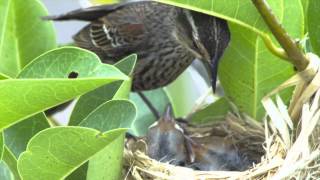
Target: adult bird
(166,38)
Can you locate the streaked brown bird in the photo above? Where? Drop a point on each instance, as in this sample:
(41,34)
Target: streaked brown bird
(166,38)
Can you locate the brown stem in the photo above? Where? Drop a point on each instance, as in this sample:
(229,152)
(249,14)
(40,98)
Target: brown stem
(296,56)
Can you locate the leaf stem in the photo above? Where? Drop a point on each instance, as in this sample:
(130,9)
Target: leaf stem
(294,54)
(273,48)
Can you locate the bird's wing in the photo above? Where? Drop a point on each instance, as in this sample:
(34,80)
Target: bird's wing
(116,34)
(108,34)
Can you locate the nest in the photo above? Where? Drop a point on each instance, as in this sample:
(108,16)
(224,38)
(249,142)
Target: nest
(284,146)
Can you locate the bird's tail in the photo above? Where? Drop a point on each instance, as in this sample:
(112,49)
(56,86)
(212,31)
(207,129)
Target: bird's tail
(87,14)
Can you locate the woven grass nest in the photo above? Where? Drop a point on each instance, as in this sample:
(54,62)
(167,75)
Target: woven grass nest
(286,145)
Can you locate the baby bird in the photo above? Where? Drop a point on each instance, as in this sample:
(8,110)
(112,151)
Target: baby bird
(166,140)
(217,154)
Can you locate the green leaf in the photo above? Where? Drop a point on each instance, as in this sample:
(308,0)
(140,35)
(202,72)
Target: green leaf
(144,116)
(5,173)
(2,76)
(244,13)
(313,24)
(60,62)
(127,67)
(107,164)
(54,153)
(248,71)
(305,6)
(23,34)
(1,144)
(90,101)
(213,112)
(241,12)
(36,95)
(18,135)
(80,173)
(11,161)
(110,115)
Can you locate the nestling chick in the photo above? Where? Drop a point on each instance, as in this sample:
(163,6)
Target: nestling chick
(166,141)
(216,154)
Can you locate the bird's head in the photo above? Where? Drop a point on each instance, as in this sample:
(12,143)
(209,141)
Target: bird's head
(210,36)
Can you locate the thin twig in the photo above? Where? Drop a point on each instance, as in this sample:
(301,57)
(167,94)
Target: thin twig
(296,56)
(149,104)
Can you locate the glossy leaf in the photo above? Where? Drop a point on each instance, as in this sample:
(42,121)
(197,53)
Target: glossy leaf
(35,95)
(213,112)
(11,161)
(244,13)
(313,24)
(5,173)
(90,101)
(1,144)
(111,115)
(54,153)
(126,66)
(2,76)
(238,11)
(69,61)
(107,164)
(80,173)
(93,110)
(305,6)
(144,116)
(23,34)
(249,71)
(18,135)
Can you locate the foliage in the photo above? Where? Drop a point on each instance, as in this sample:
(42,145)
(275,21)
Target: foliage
(313,24)
(62,149)
(213,112)
(248,70)
(35,76)
(18,27)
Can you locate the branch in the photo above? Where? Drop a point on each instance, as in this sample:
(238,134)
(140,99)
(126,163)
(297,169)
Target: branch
(295,55)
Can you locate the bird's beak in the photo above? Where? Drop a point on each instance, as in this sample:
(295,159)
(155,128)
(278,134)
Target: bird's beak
(212,70)
(168,115)
(214,62)
(211,64)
